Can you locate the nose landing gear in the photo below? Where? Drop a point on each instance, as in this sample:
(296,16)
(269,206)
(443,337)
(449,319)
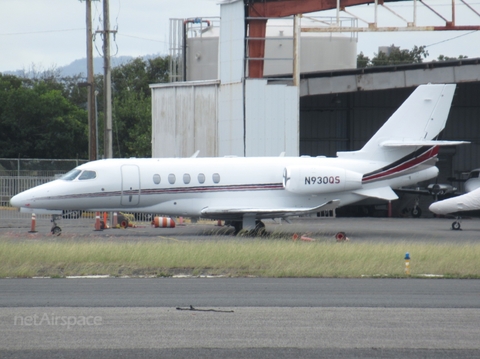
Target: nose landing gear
(56,230)
(456,225)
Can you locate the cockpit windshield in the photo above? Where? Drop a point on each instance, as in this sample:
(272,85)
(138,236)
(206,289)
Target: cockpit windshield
(87,175)
(474,174)
(75,174)
(70,176)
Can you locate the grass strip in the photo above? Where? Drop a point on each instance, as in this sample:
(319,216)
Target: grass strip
(250,257)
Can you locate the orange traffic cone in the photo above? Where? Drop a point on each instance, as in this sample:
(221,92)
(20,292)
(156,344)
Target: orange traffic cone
(98,226)
(34,222)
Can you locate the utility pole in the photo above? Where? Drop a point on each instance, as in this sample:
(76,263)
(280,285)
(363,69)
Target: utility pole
(92,128)
(107,82)
(92,153)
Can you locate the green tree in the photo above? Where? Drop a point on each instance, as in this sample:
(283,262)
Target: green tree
(44,115)
(395,56)
(132,125)
(362,60)
(39,122)
(132,118)
(446,58)
(400,57)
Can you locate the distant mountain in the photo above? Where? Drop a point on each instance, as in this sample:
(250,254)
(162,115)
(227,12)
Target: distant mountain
(80,66)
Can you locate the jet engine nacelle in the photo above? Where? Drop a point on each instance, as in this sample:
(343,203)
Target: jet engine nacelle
(318,179)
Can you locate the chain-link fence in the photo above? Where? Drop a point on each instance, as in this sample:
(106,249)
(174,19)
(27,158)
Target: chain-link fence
(19,174)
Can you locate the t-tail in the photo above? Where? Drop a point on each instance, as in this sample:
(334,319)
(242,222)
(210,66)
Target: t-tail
(407,141)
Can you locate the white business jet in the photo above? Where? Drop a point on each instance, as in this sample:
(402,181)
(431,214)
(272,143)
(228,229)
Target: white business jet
(244,190)
(467,204)
(472,182)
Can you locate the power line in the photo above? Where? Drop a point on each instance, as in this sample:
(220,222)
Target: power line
(40,32)
(141,38)
(452,38)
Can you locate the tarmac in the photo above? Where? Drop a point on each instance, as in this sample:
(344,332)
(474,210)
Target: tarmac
(355,229)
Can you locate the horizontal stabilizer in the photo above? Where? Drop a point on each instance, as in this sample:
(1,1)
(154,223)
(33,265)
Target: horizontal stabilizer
(385,193)
(216,213)
(412,143)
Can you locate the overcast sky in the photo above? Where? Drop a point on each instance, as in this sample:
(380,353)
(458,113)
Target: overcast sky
(51,33)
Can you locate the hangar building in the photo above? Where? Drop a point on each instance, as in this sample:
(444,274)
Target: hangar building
(219,105)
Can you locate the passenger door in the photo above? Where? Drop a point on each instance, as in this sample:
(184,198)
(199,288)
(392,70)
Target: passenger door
(130,185)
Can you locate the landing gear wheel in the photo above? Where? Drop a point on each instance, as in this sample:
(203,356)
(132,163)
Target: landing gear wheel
(259,228)
(238,226)
(416,212)
(456,226)
(56,230)
(340,236)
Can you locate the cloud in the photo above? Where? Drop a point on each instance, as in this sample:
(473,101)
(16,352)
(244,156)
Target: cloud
(52,32)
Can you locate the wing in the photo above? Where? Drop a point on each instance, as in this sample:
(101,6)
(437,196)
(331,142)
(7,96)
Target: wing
(233,213)
(385,193)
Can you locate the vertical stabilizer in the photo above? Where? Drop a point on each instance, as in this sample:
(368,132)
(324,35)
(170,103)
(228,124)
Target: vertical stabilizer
(418,120)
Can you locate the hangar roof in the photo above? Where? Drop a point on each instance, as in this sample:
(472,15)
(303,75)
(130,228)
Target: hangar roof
(389,77)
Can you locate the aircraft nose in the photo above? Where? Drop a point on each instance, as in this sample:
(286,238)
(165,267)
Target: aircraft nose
(18,200)
(437,208)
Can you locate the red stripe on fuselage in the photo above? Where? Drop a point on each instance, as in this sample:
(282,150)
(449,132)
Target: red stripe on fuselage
(406,164)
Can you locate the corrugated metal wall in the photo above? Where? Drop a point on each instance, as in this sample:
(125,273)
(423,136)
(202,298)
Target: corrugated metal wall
(231,131)
(232,42)
(464,124)
(317,53)
(184,119)
(345,121)
(271,121)
(231,72)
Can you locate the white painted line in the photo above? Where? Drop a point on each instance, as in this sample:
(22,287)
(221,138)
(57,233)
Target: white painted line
(87,276)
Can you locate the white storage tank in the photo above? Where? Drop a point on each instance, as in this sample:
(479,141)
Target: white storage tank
(318,52)
(202,54)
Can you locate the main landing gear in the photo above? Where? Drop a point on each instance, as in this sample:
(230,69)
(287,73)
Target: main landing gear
(257,230)
(56,230)
(416,212)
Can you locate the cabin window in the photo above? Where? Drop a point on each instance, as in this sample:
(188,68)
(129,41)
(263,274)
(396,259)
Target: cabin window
(86,175)
(216,178)
(171,178)
(186,178)
(70,176)
(156,179)
(201,178)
